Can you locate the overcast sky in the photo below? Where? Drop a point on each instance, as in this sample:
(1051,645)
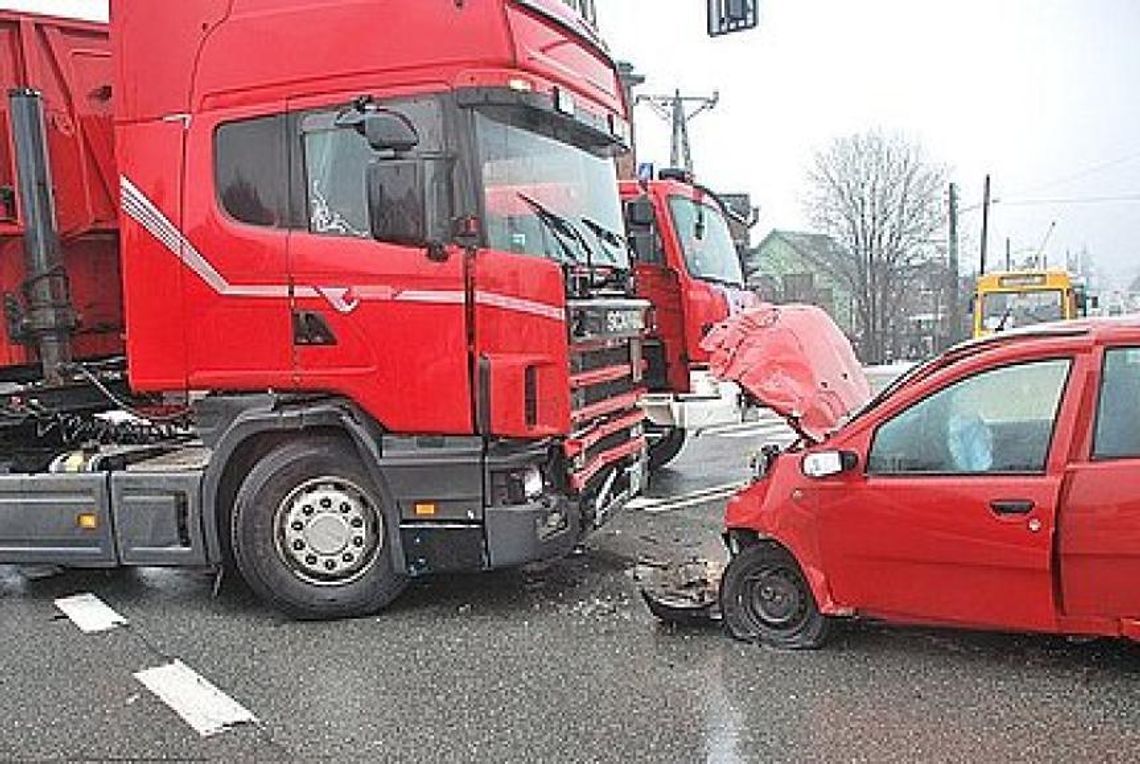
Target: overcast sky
(1042,94)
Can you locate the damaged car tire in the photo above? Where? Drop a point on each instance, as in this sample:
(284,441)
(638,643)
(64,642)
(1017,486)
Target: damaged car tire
(765,598)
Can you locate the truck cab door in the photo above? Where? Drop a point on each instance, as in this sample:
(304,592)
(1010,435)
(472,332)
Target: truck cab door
(381,322)
(954,519)
(658,282)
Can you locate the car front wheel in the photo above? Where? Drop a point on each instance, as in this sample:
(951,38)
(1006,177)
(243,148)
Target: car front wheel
(765,598)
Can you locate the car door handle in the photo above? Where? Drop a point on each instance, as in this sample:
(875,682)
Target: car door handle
(1012,506)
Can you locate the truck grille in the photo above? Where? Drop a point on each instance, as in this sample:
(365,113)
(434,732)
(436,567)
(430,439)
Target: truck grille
(606,381)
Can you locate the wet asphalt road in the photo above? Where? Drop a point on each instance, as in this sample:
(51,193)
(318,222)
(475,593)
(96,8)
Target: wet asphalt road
(563,664)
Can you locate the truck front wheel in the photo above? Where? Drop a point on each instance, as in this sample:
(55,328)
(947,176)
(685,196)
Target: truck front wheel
(310,534)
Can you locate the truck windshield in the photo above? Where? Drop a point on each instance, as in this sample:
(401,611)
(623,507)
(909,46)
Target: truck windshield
(1007,310)
(531,180)
(703,232)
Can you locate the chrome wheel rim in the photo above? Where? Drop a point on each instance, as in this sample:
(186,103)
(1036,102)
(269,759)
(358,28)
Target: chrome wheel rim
(328,531)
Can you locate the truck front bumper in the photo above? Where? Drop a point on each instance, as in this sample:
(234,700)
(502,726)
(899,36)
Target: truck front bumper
(712,403)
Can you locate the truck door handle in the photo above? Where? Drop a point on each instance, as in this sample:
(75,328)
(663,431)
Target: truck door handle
(1012,506)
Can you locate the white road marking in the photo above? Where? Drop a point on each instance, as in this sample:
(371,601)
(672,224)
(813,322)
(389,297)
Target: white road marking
(200,704)
(671,503)
(90,613)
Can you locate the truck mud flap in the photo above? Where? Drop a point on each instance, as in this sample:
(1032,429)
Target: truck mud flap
(56,520)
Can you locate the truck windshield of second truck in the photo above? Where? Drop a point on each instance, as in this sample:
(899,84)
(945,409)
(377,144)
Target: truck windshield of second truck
(535,187)
(710,253)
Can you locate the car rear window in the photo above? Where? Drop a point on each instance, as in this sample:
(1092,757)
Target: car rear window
(1118,411)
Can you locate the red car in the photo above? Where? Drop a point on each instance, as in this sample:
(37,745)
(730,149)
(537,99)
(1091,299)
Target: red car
(994,487)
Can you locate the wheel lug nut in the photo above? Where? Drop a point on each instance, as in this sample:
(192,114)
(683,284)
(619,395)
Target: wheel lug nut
(345,508)
(347,558)
(358,541)
(326,503)
(307,509)
(298,545)
(311,559)
(329,564)
(357,522)
(298,526)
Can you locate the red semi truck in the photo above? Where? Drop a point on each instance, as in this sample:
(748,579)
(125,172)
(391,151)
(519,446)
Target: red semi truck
(688,268)
(337,294)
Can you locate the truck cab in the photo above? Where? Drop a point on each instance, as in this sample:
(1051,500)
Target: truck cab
(687,266)
(370,256)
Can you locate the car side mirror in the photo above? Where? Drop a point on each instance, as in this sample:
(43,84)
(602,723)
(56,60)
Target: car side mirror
(823,464)
(409,202)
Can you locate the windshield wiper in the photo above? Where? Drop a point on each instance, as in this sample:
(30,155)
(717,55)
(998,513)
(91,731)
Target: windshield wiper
(562,227)
(606,236)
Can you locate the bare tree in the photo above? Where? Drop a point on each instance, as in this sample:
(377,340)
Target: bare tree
(877,195)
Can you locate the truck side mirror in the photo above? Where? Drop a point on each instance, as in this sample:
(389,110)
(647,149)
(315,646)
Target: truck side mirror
(410,202)
(641,229)
(639,213)
(384,130)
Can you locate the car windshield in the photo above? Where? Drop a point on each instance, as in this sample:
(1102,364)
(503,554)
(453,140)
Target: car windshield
(549,198)
(710,253)
(1007,310)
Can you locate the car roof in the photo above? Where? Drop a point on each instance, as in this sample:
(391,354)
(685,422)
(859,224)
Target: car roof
(1100,330)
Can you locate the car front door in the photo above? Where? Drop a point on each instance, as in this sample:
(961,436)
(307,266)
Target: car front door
(953,519)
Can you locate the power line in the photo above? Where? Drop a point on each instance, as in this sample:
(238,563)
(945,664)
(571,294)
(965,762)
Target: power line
(1071,200)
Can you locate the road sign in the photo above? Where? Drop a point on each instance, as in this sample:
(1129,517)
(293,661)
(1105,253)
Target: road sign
(728,16)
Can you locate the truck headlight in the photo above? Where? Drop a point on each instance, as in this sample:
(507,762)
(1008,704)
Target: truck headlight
(532,483)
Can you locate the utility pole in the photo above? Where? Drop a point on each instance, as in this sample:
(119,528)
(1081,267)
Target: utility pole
(985,224)
(955,297)
(675,109)
(630,79)
(1008,255)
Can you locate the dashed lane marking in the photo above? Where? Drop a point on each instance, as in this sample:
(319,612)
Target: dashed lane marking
(90,613)
(199,703)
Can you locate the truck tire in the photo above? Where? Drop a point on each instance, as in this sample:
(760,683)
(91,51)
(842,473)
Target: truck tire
(765,598)
(664,445)
(310,535)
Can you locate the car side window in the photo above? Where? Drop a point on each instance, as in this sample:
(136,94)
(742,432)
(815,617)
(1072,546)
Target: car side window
(1118,410)
(997,421)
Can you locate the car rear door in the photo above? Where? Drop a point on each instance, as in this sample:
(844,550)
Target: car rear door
(1099,526)
(953,519)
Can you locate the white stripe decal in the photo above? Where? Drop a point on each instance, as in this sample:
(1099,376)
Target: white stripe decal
(342,299)
(519,305)
(200,704)
(89,613)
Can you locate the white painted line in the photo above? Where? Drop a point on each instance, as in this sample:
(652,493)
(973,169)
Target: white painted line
(200,704)
(669,503)
(691,502)
(89,613)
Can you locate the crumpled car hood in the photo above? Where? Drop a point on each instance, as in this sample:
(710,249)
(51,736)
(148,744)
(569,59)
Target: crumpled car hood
(793,359)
